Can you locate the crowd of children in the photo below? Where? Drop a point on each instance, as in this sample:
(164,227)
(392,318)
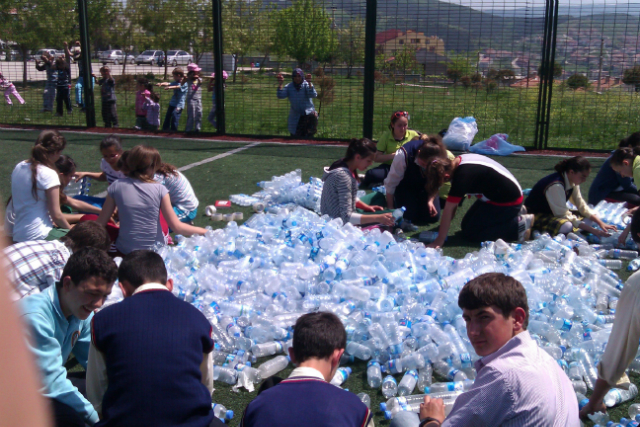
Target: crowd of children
(61,268)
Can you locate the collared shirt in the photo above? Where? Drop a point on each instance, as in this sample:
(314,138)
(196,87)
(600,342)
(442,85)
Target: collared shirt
(625,334)
(35,265)
(399,167)
(557,197)
(97,380)
(307,372)
(518,385)
(51,337)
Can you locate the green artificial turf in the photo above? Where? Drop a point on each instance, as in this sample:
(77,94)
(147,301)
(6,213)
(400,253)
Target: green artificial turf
(239,173)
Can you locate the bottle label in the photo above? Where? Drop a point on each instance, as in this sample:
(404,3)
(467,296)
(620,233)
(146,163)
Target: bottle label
(392,365)
(373,363)
(402,402)
(389,378)
(566,325)
(413,373)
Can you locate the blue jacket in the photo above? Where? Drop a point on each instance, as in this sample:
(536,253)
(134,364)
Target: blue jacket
(301,103)
(52,338)
(606,181)
(179,94)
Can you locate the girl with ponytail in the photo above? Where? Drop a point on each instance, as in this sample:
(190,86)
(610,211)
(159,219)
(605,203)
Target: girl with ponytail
(497,212)
(548,201)
(611,185)
(35,189)
(341,185)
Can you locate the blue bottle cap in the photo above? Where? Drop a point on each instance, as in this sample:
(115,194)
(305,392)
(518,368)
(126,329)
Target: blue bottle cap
(229,415)
(383,406)
(387,415)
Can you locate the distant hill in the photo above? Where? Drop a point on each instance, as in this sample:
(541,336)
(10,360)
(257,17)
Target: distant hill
(569,10)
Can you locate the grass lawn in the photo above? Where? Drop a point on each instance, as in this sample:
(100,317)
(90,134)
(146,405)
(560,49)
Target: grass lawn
(579,119)
(239,173)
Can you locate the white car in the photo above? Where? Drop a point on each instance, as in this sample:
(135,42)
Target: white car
(116,57)
(179,57)
(150,57)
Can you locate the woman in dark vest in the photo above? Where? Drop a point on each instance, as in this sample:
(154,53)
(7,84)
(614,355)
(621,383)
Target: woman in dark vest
(548,201)
(406,183)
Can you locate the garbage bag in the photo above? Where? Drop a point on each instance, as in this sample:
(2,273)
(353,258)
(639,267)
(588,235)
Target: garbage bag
(497,145)
(460,134)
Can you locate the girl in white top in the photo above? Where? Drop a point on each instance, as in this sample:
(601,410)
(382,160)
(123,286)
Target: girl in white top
(35,189)
(183,198)
(139,200)
(111,149)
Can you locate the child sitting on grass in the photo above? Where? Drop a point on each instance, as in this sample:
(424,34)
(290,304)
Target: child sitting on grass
(139,200)
(58,323)
(111,150)
(183,198)
(132,375)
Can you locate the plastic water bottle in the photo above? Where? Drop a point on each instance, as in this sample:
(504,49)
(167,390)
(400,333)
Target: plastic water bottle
(374,374)
(634,264)
(464,385)
(364,398)
(634,411)
(428,236)
(222,413)
(389,387)
(341,375)
(224,374)
(358,350)
(615,396)
(623,254)
(408,383)
(272,367)
(425,377)
(398,214)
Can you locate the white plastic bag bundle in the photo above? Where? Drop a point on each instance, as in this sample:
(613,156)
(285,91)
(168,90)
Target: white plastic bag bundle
(460,134)
(497,145)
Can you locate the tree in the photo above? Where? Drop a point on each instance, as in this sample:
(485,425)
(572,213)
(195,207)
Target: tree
(326,88)
(405,59)
(202,37)
(164,24)
(264,32)
(631,76)
(577,81)
(383,62)
(303,31)
(557,70)
(458,67)
(29,25)
(351,44)
(237,20)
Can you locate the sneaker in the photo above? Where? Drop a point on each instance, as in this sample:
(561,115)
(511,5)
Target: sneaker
(137,127)
(525,223)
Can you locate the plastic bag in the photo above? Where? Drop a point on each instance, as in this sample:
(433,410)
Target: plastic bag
(497,145)
(460,134)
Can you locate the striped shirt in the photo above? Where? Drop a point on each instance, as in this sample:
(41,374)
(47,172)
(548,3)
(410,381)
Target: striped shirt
(339,195)
(35,265)
(518,385)
(180,191)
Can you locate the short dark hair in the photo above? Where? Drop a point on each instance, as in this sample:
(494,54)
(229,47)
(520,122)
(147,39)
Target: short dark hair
(90,262)
(317,335)
(111,141)
(87,234)
(496,289)
(635,226)
(142,266)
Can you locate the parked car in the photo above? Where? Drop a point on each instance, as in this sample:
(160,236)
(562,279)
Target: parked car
(179,57)
(150,57)
(115,57)
(40,52)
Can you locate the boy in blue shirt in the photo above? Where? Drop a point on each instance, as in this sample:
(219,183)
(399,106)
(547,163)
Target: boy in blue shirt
(150,357)
(59,322)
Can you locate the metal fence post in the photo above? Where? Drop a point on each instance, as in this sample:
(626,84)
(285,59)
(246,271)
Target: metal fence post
(369,68)
(87,87)
(218,65)
(552,62)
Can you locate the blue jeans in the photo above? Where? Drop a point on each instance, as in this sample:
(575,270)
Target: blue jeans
(405,419)
(79,86)
(172,119)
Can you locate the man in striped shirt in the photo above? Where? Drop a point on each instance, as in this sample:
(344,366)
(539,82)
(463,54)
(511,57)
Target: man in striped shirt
(518,383)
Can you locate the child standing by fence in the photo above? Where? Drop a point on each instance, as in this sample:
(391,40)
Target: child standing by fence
(62,86)
(108,92)
(176,105)
(49,94)
(9,89)
(141,96)
(212,88)
(151,108)
(194,99)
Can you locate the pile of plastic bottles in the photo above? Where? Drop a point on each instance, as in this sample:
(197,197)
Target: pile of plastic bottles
(397,300)
(286,189)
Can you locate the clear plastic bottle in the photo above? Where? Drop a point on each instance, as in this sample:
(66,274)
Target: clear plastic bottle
(220,412)
(615,396)
(634,411)
(272,367)
(225,374)
(634,264)
(425,377)
(364,398)
(374,374)
(464,385)
(389,387)
(358,350)
(267,348)
(398,214)
(623,254)
(341,375)
(408,383)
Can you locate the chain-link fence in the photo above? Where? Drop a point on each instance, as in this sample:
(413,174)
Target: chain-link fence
(548,74)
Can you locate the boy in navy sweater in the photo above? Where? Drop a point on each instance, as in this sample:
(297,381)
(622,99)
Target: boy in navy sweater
(307,398)
(150,356)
